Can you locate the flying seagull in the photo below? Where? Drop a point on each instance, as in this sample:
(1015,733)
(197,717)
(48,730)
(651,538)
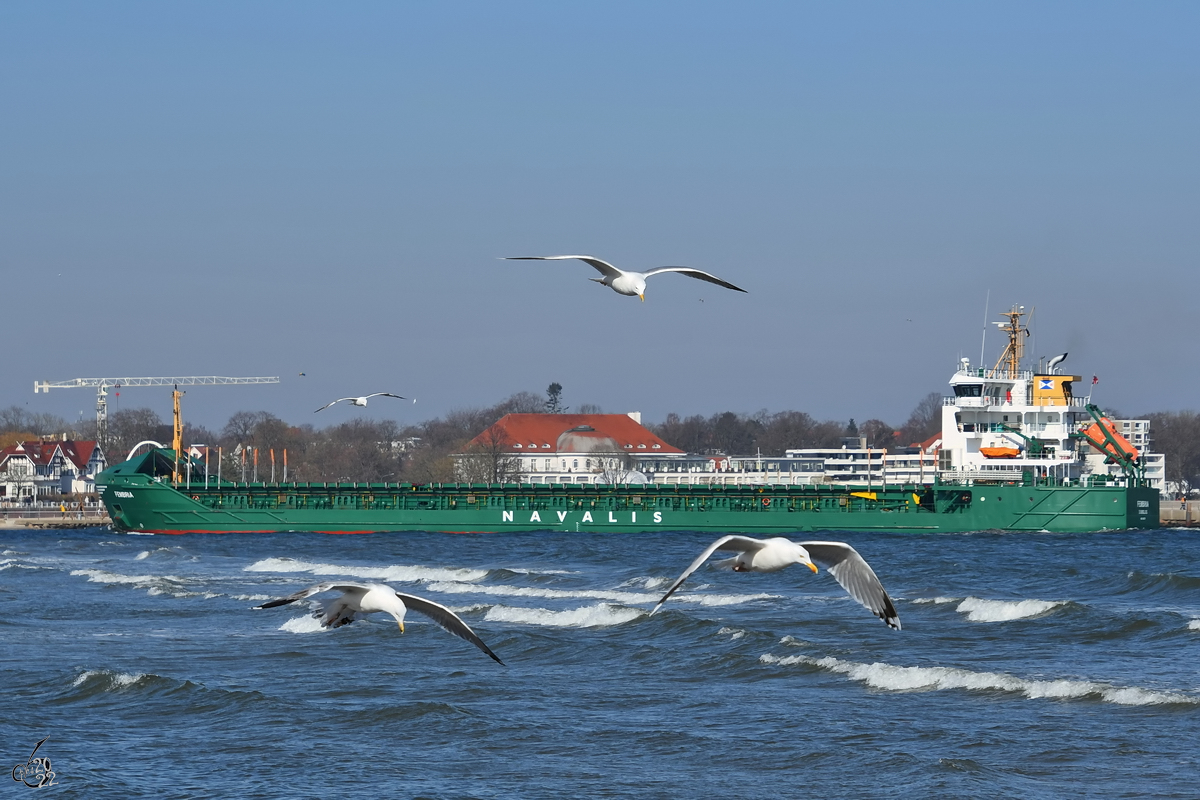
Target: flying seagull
(358,599)
(628,283)
(362,401)
(771,555)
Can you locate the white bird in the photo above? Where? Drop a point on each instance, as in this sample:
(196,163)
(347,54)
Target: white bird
(362,401)
(358,599)
(629,283)
(771,555)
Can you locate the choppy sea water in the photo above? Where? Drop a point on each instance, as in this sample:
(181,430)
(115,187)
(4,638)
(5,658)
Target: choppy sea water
(1030,666)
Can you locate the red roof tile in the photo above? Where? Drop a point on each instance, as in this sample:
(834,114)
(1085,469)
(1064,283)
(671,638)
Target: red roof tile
(540,432)
(42,453)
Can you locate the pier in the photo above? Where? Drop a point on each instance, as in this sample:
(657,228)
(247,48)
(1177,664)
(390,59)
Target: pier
(1179,513)
(54,518)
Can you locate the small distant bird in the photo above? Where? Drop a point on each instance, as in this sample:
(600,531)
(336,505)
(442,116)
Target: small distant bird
(771,555)
(301,374)
(362,401)
(628,283)
(359,599)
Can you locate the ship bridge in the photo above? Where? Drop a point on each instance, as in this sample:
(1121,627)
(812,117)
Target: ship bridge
(1006,421)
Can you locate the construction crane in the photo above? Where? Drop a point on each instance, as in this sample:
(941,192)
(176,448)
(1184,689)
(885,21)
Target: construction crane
(102,385)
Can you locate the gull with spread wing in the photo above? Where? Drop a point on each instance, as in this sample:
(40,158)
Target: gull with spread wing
(362,401)
(358,599)
(629,283)
(771,555)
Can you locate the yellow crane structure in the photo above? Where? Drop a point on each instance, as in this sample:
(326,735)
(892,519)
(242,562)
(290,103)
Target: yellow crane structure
(102,385)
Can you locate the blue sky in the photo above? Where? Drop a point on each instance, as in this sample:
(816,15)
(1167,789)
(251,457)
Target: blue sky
(276,188)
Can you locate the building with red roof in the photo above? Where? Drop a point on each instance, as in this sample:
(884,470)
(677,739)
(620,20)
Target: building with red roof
(43,468)
(560,448)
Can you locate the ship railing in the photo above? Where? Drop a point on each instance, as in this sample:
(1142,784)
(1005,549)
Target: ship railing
(995,374)
(989,401)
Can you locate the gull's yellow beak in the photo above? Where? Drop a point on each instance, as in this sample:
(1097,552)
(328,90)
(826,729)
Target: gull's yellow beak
(643,297)
(401,624)
(812,566)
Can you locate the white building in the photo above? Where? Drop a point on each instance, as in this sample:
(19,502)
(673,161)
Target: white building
(41,470)
(561,448)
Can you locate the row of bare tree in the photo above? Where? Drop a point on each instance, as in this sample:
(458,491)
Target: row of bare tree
(366,450)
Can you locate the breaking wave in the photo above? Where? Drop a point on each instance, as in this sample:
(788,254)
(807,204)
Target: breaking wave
(154,585)
(108,680)
(400,573)
(915,679)
(600,615)
(307,624)
(450,587)
(978,610)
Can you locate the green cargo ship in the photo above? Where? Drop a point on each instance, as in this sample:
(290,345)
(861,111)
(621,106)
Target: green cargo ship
(140,496)
(1012,455)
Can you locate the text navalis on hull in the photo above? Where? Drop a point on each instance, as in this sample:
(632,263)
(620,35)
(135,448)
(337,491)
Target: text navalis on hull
(1011,458)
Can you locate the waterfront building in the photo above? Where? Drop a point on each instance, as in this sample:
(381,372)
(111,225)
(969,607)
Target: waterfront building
(561,448)
(44,469)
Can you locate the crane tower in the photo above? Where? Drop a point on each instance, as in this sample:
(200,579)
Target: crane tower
(101,385)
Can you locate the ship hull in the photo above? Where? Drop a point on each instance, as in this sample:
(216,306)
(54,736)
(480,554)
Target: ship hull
(139,503)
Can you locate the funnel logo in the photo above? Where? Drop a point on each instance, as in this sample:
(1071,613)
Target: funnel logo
(34,773)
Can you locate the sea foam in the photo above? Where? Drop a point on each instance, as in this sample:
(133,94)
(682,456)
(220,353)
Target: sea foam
(610,595)
(153,584)
(915,679)
(113,680)
(600,615)
(979,610)
(399,573)
(307,624)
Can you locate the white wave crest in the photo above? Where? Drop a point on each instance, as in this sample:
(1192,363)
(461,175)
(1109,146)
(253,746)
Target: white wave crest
(141,555)
(601,615)
(644,583)
(610,595)
(935,600)
(101,576)
(913,679)
(399,572)
(524,571)
(302,625)
(116,680)
(1194,625)
(732,633)
(153,584)
(979,610)
(12,563)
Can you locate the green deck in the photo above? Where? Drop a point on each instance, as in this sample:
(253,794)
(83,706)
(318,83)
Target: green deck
(140,500)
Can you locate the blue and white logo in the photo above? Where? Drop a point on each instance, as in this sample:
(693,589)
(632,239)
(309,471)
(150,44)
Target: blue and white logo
(1046,383)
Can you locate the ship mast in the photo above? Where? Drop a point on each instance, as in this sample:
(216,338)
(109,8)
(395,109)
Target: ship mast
(1011,357)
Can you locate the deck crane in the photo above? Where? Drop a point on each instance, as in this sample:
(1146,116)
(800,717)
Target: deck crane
(102,385)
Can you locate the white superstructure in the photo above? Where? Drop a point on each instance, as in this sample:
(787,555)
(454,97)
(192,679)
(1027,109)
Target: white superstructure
(1005,423)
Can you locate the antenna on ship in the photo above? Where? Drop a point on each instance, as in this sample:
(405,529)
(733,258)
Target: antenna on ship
(986,306)
(1017,333)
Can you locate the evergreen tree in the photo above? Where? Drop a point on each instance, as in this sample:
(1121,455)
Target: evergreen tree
(554,399)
